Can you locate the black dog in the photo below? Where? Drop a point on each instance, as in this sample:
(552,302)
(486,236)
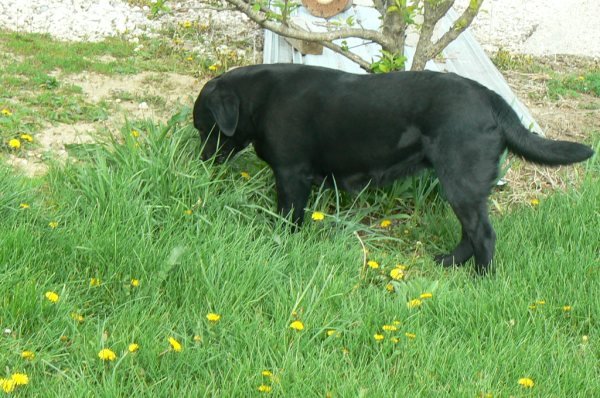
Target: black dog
(312,123)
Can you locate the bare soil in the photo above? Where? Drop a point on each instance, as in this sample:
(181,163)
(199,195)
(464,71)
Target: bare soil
(169,91)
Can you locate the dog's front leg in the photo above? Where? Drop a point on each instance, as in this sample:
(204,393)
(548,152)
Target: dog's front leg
(293,188)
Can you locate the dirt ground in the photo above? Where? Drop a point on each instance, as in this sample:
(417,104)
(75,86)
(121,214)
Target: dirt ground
(571,119)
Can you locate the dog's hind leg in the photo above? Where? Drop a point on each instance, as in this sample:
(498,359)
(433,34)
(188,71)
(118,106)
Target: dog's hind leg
(461,254)
(465,156)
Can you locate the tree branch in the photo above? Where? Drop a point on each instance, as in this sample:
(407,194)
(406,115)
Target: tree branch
(432,13)
(348,54)
(381,6)
(459,26)
(295,31)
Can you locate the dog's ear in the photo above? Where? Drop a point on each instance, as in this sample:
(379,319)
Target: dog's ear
(225,108)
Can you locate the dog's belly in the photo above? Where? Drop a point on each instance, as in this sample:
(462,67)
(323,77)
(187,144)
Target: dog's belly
(376,177)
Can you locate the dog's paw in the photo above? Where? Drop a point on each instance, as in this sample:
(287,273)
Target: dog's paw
(446,260)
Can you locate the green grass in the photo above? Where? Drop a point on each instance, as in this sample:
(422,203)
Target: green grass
(121,214)
(574,85)
(586,79)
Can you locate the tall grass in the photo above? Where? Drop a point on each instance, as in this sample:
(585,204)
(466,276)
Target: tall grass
(201,238)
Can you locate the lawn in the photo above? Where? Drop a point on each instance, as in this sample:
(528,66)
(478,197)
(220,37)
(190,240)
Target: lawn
(136,241)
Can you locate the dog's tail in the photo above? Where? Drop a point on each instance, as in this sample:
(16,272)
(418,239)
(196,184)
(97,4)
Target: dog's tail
(532,146)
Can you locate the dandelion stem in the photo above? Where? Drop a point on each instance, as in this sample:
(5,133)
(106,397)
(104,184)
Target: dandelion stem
(364,251)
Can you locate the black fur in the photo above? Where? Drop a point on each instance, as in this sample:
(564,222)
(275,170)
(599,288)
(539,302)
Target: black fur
(311,123)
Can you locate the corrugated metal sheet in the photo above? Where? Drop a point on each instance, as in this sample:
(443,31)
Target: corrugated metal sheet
(464,56)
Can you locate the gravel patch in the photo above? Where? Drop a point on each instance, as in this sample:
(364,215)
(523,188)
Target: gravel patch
(93,20)
(539,27)
(75,20)
(536,27)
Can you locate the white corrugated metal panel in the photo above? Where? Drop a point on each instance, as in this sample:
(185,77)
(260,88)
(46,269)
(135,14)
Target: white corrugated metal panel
(464,56)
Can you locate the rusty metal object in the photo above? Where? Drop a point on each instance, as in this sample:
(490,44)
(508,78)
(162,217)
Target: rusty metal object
(326,8)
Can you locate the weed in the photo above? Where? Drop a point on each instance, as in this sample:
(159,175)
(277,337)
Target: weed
(574,85)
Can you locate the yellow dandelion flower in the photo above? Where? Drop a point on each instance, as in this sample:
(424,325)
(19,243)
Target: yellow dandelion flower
(532,307)
(24,206)
(331,332)
(187,24)
(133,347)
(176,345)
(540,302)
(107,355)
(385,224)
(410,336)
(297,325)
(318,216)
(534,202)
(189,58)
(397,274)
(95,282)
(264,388)
(135,133)
(7,385)
(567,308)
(28,355)
(585,339)
(27,137)
(389,328)
(378,337)
(526,382)
(415,303)
(401,267)
(213,67)
(188,212)
(245,175)
(395,340)
(396,323)
(389,287)
(20,379)
(426,296)
(135,282)
(211,316)
(52,297)
(6,112)
(267,373)
(53,224)
(77,317)
(373,264)
(14,143)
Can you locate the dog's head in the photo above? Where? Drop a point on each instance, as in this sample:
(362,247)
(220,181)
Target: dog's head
(216,117)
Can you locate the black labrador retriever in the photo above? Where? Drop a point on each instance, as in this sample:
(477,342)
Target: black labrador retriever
(312,124)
